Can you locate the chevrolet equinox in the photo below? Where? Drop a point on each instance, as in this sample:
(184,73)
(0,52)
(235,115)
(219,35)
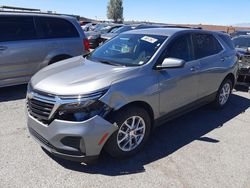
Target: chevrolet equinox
(112,98)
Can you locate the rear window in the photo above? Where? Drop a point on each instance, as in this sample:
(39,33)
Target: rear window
(55,28)
(228,41)
(205,45)
(16,28)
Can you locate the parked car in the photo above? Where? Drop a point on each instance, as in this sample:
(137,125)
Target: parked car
(108,36)
(88,27)
(114,97)
(29,42)
(94,36)
(242,45)
(240,32)
(116,32)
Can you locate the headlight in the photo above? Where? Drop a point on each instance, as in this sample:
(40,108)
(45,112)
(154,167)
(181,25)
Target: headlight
(82,108)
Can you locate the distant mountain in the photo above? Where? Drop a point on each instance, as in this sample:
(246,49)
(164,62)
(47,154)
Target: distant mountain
(242,25)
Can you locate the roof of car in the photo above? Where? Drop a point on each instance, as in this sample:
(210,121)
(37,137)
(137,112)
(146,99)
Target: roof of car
(35,14)
(163,31)
(242,36)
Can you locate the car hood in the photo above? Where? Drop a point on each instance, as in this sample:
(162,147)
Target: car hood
(108,35)
(242,51)
(78,76)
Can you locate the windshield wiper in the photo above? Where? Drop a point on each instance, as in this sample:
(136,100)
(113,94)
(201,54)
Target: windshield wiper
(109,63)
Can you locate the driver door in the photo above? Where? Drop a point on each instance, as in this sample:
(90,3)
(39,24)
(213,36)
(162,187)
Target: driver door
(179,86)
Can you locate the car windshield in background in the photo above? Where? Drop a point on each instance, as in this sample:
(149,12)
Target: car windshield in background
(128,49)
(123,29)
(100,27)
(242,42)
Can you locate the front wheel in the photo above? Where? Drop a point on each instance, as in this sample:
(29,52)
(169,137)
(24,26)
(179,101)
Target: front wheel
(223,94)
(133,131)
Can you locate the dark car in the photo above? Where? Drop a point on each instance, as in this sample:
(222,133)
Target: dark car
(242,45)
(125,28)
(240,32)
(116,32)
(94,36)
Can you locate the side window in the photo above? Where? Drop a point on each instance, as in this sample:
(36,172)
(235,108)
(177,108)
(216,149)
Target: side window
(228,41)
(55,28)
(16,28)
(181,48)
(205,45)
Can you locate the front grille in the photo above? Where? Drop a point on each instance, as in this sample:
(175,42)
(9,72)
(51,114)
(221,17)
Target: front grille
(40,107)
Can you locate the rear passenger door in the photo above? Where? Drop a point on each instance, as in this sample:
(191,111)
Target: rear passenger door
(19,49)
(178,86)
(209,52)
(60,36)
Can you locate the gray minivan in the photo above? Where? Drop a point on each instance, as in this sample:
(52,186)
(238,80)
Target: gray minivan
(29,42)
(114,97)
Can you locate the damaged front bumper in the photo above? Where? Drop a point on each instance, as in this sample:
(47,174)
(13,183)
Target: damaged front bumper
(76,141)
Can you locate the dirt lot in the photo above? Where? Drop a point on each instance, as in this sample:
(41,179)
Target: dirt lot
(204,148)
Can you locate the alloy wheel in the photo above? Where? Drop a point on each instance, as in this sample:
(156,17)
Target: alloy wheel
(131,133)
(224,94)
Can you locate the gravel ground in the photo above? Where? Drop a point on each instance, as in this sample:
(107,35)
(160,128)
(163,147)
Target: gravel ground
(204,148)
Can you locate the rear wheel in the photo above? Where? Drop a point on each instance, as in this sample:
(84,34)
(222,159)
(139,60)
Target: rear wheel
(223,94)
(133,131)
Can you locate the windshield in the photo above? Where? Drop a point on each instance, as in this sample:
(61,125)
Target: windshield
(101,27)
(128,49)
(241,42)
(123,29)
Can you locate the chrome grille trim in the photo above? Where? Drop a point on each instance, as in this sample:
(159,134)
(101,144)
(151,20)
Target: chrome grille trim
(40,106)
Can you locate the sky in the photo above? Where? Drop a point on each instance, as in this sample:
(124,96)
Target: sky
(216,12)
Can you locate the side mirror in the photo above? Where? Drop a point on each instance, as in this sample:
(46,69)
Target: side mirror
(171,63)
(248,49)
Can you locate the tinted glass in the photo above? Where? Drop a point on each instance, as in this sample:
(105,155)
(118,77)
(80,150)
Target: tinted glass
(123,29)
(56,28)
(238,33)
(15,28)
(205,45)
(242,42)
(108,29)
(128,49)
(228,41)
(180,48)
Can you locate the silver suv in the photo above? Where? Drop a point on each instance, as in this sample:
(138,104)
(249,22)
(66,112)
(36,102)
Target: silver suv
(112,98)
(29,42)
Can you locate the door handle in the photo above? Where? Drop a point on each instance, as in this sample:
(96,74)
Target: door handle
(2,48)
(224,58)
(193,69)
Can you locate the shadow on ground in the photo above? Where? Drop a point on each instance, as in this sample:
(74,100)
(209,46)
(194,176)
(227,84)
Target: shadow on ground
(13,93)
(167,139)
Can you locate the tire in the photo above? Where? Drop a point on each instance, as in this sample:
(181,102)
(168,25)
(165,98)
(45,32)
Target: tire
(222,98)
(123,150)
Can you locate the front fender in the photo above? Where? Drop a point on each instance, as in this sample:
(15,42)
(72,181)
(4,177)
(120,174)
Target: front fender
(143,88)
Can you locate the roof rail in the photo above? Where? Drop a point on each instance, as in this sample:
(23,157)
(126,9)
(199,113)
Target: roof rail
(10,9)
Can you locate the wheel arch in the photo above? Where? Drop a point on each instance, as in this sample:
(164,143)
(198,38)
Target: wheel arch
(231,77)
(143,105)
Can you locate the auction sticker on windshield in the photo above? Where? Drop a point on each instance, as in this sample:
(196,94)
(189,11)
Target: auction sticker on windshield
(149,39)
